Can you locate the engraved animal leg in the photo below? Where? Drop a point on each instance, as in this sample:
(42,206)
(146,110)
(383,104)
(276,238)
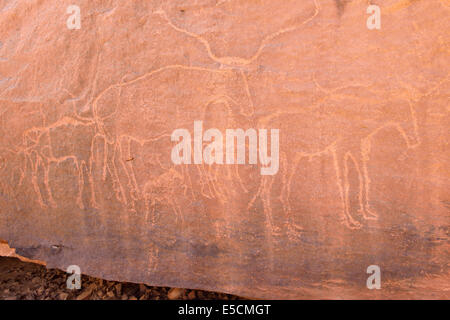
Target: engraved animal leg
(293,229)
(35,162)
(105,158)
(178,213)
(264,192)
(135,192)
(267,205)
(91,174)
(149,203)
(117,185)
(80,183)
(341,169)
(367,211)
(51,201)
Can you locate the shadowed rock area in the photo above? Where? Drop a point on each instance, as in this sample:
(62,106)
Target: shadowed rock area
(28,281)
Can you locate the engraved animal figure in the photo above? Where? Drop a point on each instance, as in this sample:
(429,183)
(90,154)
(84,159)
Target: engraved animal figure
(143,113)
(160,190)
(67,139)
(10,174)
(342,125)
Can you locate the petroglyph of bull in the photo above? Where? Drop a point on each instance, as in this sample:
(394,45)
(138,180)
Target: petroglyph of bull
(141,114)
(68,139)
(342,125)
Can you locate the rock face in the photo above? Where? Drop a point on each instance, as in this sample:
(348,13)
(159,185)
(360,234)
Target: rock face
(87,169)
(6,251)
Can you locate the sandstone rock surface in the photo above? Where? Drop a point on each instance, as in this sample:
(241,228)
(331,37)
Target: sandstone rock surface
(86,117)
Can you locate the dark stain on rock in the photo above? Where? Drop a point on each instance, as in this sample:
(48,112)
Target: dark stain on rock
(28,252)
(205,250)
(340,5)
(446,204)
